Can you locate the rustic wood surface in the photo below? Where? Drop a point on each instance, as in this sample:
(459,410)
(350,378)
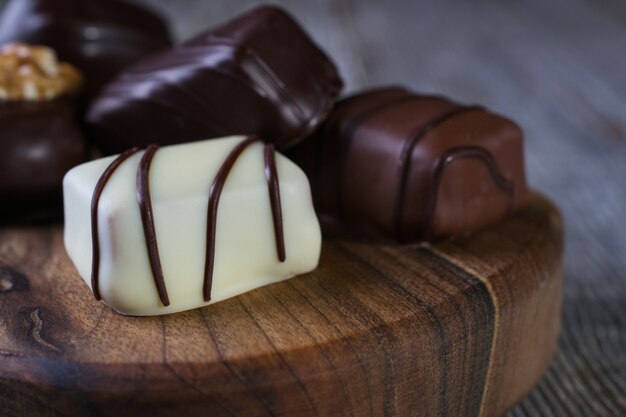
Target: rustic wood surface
(461,328)
(557,67)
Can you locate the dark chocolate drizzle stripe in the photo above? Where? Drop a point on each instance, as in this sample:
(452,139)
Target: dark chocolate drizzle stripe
(270,75)
(272,80)
(273,185)
(407,151)
(348,132)
(147,219)
(214,198)
(450,156)
(277,86)
(95,200)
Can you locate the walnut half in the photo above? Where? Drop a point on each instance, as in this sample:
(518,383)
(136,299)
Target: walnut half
(33,73)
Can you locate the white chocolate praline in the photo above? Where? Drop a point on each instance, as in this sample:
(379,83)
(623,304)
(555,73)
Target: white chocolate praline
(180,179)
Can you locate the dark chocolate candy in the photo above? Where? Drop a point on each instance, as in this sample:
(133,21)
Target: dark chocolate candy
(390,163)
(100,37)
(39,143)
(257,74)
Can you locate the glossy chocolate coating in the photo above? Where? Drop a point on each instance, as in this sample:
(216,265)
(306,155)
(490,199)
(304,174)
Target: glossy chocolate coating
(257,74)
(393,164)
(39,143)
(100,37)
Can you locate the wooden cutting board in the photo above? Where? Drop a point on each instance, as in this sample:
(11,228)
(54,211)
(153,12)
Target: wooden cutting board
(461,328)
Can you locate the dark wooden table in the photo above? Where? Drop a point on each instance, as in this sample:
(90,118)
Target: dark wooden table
(558,68)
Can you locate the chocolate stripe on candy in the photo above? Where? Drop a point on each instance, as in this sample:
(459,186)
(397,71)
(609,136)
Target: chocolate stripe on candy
(407,151)
(482,155)
(274,190)
(147,220)
(351,127)
(95,199)
(214,199)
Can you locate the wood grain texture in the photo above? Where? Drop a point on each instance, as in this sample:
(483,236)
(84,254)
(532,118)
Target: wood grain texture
(463,327)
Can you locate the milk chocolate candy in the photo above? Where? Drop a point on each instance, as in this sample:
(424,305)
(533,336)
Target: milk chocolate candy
(100,37)
(40,138)
(257,74)
(168,229)
(393,164)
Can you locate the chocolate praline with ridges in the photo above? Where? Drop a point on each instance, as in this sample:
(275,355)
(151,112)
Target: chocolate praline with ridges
(396,165)
(259,73)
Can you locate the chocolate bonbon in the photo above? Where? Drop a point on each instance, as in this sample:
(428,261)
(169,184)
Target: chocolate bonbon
(393,164)
(98,37)
(168,229)
(39,135)
(257,74)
